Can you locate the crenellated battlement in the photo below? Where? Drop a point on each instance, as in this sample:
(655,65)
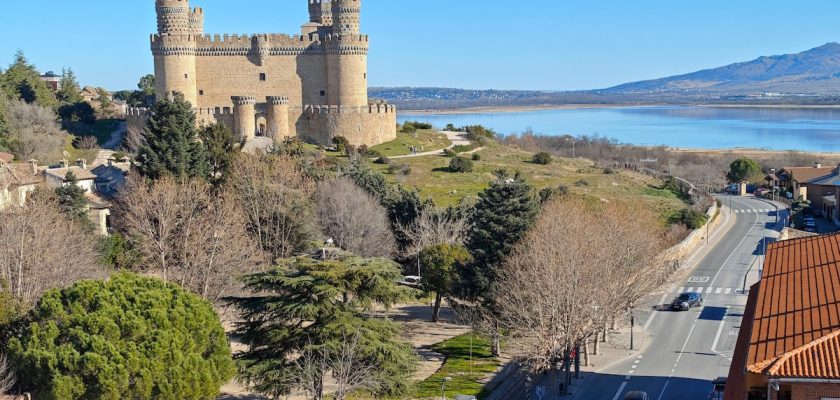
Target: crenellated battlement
(378,108)
(137,112)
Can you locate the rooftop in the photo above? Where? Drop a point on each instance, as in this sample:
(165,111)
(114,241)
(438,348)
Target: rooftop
(81,173)
(806,174)
(796,322)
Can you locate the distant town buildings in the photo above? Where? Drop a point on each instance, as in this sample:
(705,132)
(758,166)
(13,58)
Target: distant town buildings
(789,342)
(52,79)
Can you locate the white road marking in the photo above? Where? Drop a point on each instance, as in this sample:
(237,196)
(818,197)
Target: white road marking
(735,251)
(719,331)
(690,289)
(681,289)
(664,388)
(679,357)
(709,290)
(728,290)
(718,290)
(620,390)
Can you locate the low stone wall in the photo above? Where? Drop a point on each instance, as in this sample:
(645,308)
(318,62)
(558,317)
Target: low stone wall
(677,253)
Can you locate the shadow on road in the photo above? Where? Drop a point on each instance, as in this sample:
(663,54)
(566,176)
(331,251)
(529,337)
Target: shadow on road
(606,386)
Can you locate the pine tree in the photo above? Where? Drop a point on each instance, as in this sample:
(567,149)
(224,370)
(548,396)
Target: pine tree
(503,214)
(69,91)
(170,144)
(72,201)
(305,304)
(221,150)
(22,81)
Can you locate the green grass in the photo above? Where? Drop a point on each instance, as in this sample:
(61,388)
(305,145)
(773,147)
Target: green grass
(429,175)
(466,373)
(425,140)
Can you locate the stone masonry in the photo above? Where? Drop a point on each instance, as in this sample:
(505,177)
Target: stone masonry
(312,85)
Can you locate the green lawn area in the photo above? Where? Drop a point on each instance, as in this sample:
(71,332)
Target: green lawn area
(425,140)
(433,180)
(466,373)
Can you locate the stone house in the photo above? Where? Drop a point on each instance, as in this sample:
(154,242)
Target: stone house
(57,177)
(795,179)
(822,193)
(17,181)
(788,347)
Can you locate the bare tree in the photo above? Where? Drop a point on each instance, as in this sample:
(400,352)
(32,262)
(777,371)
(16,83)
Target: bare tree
(7,375)
(354,219)
(345,363)
(579,268)
(189,234)
(274,193)
(35,132)
(432,227)
(149,213)
(43,249)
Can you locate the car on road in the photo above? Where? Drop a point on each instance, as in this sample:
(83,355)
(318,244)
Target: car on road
(685,301)
(636,396)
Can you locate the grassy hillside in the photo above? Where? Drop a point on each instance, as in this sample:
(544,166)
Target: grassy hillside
(432,178)
(424,140)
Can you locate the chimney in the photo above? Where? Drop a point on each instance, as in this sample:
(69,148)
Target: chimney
(33,166)
(817,164)
(81,163)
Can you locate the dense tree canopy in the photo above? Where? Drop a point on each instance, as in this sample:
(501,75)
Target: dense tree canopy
(22,81)
(129,337)
(745,169)
(441,264)
(304,303)
(170,144)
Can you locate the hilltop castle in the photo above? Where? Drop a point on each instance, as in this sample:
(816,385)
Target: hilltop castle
(312,86)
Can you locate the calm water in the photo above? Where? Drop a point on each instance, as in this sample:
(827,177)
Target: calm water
(688,127)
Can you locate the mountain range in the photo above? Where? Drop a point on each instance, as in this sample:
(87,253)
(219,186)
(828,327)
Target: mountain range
(809,77)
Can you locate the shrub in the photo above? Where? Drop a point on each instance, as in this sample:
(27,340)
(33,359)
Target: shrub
(542,158)
(463,148)
(476,157)
(341,143)
(609,171)
(692,219)
(119,156)
(461,164)
(418,124)
(382,160)
(399,169)
(449,153)
(409,128)
(128,337)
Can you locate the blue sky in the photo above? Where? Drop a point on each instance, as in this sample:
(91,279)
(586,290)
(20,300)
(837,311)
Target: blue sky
(476,44)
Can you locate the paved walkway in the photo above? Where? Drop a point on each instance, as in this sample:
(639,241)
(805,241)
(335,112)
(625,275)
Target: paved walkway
(457,139)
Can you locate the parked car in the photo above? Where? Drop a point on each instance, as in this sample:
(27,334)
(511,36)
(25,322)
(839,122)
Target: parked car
(411,281)
(685,301)
(636,396)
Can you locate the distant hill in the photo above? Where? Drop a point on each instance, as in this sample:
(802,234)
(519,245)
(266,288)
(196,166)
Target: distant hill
(812,72)
(806,78)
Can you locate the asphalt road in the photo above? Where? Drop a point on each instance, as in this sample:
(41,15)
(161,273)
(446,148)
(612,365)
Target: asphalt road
(685,351)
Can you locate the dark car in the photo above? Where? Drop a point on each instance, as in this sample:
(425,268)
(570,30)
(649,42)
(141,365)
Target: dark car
(685,301)
(636,396)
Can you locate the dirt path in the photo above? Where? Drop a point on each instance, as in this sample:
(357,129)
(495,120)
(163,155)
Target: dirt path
(457,139)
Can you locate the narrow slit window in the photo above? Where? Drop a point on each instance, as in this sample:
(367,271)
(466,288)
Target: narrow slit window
(262,76)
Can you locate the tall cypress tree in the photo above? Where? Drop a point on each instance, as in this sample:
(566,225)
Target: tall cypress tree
(72,201)
(170,144)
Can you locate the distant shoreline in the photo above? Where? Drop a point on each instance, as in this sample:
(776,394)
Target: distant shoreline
(514,109)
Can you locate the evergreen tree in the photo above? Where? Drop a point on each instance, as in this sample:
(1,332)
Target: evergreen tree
(72,201)
(69,91)
(22,81)
(128,337)
(503,214)
(442,263)
(170,142)
(221,151)
(305,303)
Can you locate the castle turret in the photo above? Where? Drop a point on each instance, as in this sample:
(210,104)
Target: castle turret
(345,14)
(347,56)
(174,49)
(320,12)
(277,117)
(197,21)
(244,117)
(173,17)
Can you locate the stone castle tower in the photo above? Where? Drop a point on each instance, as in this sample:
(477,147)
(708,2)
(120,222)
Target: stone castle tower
(312,85)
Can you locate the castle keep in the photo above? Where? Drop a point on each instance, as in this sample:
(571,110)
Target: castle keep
(312,86)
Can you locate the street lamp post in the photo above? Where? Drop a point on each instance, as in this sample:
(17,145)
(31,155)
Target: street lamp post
(632,326)
(571,139)
(443,386)
(528,382)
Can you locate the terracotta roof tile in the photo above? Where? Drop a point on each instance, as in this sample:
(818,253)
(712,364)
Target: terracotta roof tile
(798,309)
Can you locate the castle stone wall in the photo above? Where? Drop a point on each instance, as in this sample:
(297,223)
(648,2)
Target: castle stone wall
(366,125)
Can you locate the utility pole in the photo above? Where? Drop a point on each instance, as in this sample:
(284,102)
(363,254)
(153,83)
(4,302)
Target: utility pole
(632,326)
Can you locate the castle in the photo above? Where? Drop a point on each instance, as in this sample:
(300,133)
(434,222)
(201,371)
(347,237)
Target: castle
(312,86)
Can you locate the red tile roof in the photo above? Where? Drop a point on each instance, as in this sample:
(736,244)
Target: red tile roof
(805,174)
(736,384)
(797,316)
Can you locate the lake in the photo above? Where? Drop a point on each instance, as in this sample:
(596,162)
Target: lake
(815,130)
